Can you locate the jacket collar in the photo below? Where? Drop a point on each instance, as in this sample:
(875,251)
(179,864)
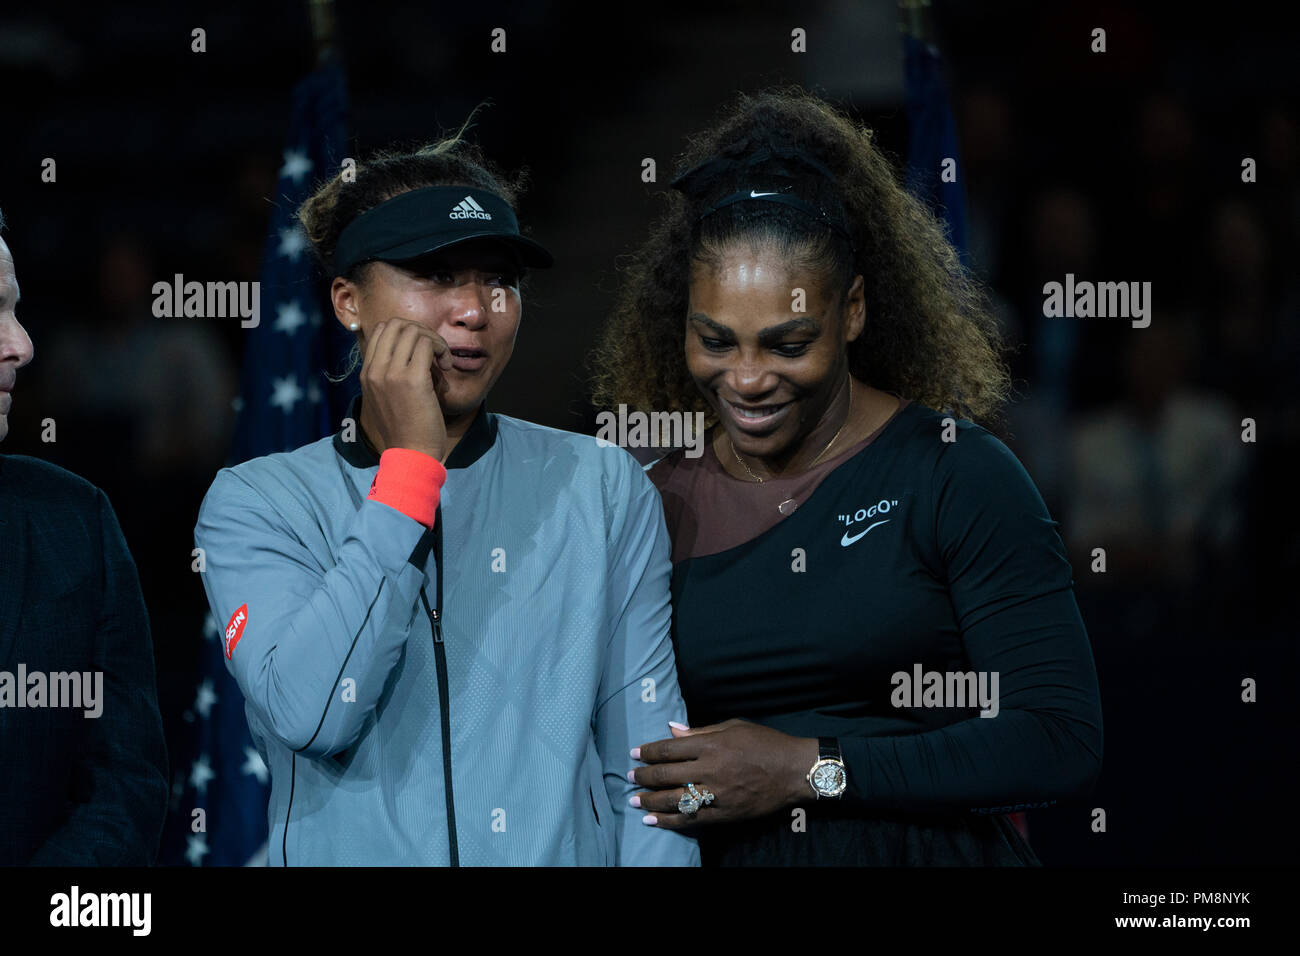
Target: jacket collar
(473,445)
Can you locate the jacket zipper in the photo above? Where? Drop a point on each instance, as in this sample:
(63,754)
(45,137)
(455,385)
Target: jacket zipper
(440,656)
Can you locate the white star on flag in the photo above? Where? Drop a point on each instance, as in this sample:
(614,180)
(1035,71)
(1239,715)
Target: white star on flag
(254,764)
(292,243)
(196,848)
(296,165)
(201,774)
(206,697)
(288,317)
(287,391)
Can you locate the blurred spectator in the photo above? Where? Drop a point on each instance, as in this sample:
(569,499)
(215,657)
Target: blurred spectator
(154,393)
(1244,308)
(144,403)
(1158,197)
(1058,237)
(1154,480)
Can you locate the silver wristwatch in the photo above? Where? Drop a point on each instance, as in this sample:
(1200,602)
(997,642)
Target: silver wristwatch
(827,777)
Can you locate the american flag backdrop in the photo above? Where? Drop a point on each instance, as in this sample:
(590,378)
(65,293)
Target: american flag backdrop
(285,402)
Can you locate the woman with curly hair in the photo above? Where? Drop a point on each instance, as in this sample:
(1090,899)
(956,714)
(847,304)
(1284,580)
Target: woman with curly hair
(873,615)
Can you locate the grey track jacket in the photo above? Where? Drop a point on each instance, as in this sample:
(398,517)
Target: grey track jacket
(467,695)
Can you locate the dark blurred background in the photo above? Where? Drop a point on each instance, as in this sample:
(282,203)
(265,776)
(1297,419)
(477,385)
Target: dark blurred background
(1123,166)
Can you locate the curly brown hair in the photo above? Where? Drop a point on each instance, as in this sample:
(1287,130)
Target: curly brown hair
(930,334)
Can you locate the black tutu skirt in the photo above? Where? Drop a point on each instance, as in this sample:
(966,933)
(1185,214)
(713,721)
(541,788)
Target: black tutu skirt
(845,840)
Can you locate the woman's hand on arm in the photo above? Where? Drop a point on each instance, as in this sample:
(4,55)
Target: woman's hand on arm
(751,770)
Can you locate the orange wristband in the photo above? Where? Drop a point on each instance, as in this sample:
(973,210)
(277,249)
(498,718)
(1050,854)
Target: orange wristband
(411,482)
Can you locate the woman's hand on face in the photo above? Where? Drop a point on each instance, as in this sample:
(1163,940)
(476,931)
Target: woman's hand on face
(751,771)
(397,386)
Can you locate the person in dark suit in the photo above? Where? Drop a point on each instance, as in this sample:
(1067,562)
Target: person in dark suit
(83,766)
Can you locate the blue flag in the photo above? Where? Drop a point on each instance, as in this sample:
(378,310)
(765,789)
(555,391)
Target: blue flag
(285,402)
(932,139)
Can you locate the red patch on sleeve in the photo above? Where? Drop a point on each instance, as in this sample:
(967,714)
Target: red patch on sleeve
(235,629)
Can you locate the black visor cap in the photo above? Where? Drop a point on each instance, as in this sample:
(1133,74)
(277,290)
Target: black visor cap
(422,221)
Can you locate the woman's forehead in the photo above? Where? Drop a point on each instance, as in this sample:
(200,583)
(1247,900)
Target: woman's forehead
(750,271)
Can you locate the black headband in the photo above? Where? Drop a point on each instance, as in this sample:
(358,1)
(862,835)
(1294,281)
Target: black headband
(696,180)
(421,221)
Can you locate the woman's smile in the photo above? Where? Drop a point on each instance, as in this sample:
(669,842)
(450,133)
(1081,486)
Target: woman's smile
(756,419)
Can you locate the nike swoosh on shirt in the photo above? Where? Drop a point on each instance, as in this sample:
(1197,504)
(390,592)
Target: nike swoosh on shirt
(846,540)
(754,195)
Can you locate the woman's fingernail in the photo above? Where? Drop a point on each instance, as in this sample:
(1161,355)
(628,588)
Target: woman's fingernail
(631,775)
(636,753)
(673,723)
(650,820)
(635,801)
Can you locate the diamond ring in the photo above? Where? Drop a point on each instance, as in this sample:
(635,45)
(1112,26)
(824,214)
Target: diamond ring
(690,802)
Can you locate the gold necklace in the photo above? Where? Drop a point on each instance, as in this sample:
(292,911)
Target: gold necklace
(847,415)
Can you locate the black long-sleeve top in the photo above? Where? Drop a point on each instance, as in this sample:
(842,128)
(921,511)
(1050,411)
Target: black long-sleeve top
(909,550)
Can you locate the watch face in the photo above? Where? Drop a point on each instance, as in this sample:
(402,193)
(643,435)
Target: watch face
(829,779)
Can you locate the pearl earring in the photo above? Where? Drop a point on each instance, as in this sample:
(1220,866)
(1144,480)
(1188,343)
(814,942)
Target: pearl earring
(354,326)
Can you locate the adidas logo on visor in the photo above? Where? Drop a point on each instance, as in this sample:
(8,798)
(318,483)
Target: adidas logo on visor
(467,208)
